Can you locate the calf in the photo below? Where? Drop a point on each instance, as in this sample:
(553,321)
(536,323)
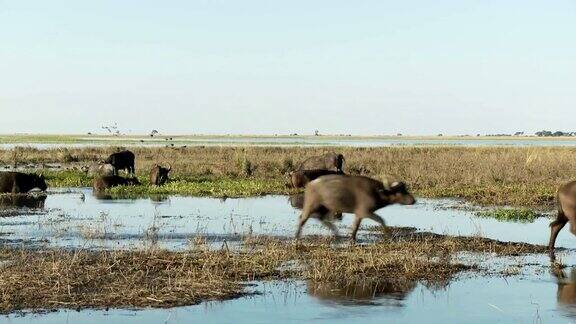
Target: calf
(18,182)
(301,178)
(335,194)
(159,175)
(106,182)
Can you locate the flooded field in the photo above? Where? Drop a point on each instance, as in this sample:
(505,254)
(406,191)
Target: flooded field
(298,141)
(76,218)
(537,299)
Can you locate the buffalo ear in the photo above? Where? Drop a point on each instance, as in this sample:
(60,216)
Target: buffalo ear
(42,176)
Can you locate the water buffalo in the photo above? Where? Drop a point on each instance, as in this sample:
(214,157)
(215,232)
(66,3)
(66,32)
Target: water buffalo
(99,169)
(566,203)
(17,182)
(123,160)
(329,161)
(102,183)
(334,194)
(300,178)
(159,175)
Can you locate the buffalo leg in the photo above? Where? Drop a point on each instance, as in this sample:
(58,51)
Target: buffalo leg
(303,219)
(380,221)
(555,228)
(355,226)
(331,226)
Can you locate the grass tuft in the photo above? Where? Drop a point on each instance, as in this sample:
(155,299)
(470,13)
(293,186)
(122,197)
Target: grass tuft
(522,215)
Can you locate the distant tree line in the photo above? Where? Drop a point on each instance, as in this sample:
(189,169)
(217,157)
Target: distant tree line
(545,133)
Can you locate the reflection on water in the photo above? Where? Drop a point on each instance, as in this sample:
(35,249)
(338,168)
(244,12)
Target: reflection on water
(77,218)
(364,293)
(22,201)
(566,294)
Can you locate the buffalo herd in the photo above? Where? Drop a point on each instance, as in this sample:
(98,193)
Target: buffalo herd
(328,191)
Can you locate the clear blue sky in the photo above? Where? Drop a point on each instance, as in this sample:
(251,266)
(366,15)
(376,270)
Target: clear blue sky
(265,67)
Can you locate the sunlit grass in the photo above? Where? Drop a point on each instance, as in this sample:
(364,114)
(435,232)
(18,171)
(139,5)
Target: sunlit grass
(240,187)
(522,215)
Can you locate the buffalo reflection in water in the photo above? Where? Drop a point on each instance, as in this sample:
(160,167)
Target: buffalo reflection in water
(100,195)
(22,201)
(566,293)
(365,293)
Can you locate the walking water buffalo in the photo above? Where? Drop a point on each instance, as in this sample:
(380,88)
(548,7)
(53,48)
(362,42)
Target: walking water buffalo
(566,203)
(301,178)
(159,175)
(106,182)
(334,194)
(18,182)
(99,169)
(329,161)
(123,160)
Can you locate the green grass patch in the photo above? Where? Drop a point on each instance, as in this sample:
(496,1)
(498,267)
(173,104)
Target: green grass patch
(241,187)
(188,186)
(522,215)
(67,179)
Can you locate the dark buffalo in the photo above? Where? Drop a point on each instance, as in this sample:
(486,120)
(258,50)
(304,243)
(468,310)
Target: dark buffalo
(123,160)
(329,161)
(17,182)
(334,194)
(300,178)
(159,175)
(102,183)
(566,203)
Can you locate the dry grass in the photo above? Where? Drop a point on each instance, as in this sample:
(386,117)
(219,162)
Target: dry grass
(44,280)
(495,176)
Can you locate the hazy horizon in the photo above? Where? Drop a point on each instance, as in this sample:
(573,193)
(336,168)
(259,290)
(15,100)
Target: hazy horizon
(261,68)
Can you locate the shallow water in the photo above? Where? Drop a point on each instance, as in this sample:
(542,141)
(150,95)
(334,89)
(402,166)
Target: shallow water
(76,218)
(306,141)
(537,297)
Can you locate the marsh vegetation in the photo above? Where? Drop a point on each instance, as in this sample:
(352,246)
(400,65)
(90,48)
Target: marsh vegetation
(521,177)
(76,279)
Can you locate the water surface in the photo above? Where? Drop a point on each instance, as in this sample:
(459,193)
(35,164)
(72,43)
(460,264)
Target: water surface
(306,141)
(75,218)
